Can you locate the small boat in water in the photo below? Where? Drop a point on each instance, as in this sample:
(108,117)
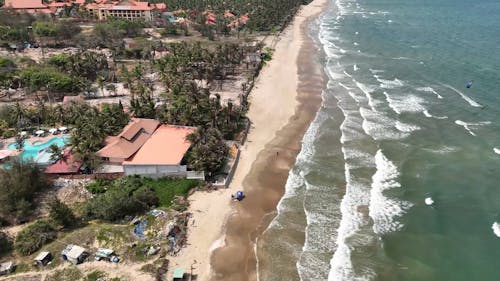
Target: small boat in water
(469,84)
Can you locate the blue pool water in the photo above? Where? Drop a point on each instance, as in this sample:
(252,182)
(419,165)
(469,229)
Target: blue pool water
(30,151)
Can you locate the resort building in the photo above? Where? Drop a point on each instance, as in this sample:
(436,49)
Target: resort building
(129,141)
(38,6)
(101,9)
(127,9)
(162,153)
(27,6)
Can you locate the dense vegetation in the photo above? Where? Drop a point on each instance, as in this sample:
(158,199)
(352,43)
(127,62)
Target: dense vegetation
(126,196)
(59,74)
(5,243)
(264,15)
(18,188)
(34,236)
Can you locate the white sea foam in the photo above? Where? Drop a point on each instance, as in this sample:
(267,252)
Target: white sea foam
(347,74)
(355,44)
(389,84)
(496,228)
(356,158)
(356,195)
(496,150)
(406,128)
(465,97)
(367,90)
(356,97)
(334,75)
(383,210)
(443,150)
(429,90)
(379,126)
(350,127)
(427,114)
(405,103)
(470,126)
(296,180)
(375,71)
(344,86)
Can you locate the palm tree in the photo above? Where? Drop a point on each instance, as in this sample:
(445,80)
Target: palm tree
(56,153)
(19,140)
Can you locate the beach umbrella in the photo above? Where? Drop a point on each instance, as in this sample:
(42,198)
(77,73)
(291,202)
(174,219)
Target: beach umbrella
(23,133)
(52,130)
(39,132)
(63,129)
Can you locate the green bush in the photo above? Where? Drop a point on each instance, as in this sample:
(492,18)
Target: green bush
(61,214)
(33,237)
(132,195)
(8,134)
(5,243)
(98,186)
(117,203)
(95,275)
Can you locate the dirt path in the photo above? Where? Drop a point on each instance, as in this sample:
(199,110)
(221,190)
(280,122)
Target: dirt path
(127,271)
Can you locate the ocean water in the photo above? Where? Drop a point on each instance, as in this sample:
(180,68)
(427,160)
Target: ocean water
(397,125)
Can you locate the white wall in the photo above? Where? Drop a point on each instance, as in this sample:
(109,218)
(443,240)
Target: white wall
(155,171)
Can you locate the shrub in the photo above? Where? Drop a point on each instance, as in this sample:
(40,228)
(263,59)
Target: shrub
(117,203)
(33,237)
(61,214)
(98,186)
(5,243)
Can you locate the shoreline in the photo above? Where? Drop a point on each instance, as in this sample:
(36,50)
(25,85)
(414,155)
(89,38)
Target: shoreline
(299,87)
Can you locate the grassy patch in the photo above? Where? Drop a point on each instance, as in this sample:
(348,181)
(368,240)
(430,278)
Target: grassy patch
(166,189)
(68,274)
(94,275)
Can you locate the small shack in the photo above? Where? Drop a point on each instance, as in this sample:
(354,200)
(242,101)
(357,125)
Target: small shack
(6,268)
(106,254)
(74,254)
(43,258)
(178,274)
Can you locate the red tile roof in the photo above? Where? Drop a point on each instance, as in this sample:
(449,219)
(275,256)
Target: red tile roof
(166,146)
(25,4)
(130,140)
(67,165)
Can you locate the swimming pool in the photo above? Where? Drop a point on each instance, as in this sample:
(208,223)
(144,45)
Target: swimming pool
(30,151)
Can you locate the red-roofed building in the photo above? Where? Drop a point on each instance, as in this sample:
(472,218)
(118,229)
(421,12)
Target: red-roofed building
(27,6)
(162,153)
(66,165)
(126,9)
(129,141)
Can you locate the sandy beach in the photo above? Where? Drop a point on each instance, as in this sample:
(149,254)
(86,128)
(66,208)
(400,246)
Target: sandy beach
(283,103)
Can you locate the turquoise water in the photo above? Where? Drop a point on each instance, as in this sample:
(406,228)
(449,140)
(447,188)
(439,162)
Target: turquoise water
(397,126)
(30,151)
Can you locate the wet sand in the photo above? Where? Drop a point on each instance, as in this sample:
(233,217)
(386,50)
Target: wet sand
(265,182)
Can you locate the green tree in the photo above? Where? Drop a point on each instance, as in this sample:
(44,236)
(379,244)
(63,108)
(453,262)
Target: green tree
(18,188)
(208,152)
(33,237)
(56,152)
(19,140)
(61,214)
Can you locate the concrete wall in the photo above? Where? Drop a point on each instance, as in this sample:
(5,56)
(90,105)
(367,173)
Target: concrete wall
(155,171)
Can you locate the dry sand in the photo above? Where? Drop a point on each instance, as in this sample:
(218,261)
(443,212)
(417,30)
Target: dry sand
(221,237)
